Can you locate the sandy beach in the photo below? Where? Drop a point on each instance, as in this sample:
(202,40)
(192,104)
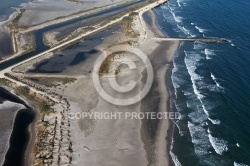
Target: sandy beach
(162,61)
(96,141)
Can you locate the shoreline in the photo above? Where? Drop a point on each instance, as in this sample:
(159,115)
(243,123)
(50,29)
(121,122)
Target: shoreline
(141,11)
(163,72)
(28,108)
(29,137)
(8,142)
(170,132)
(165,76)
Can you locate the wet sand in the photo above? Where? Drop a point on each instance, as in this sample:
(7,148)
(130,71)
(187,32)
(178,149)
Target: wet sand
(93,140)
(123,142)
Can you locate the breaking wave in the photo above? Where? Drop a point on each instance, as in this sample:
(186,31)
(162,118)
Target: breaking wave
(218,144)
(201,30)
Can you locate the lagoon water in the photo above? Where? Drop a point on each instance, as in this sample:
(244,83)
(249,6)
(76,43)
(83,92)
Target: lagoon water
(20,135)
(7,7)
(210,83)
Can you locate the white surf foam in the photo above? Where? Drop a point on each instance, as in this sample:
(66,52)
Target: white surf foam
(190,64)
(201,30)
(240,164)
(215,80)
(192,35)
(199,139)
(215,121)
(218,144)
(209,53)
(177,18)
(199,45)
(179,4)
(183,29)
(175,159)
(173,156)
(179,1)
(164,7)
(199,113)
(186,31)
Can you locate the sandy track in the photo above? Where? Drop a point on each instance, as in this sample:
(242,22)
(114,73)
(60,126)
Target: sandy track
(31,75)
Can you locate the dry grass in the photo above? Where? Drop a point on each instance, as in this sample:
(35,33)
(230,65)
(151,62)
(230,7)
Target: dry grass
(42,104)
(51,82)
(4,81)
(105,67)
(127,27)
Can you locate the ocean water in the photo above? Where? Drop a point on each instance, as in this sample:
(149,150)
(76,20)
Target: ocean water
(210,82)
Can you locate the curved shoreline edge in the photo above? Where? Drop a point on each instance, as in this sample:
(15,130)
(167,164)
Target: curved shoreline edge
(165,127)
(144,11)
(28,108)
